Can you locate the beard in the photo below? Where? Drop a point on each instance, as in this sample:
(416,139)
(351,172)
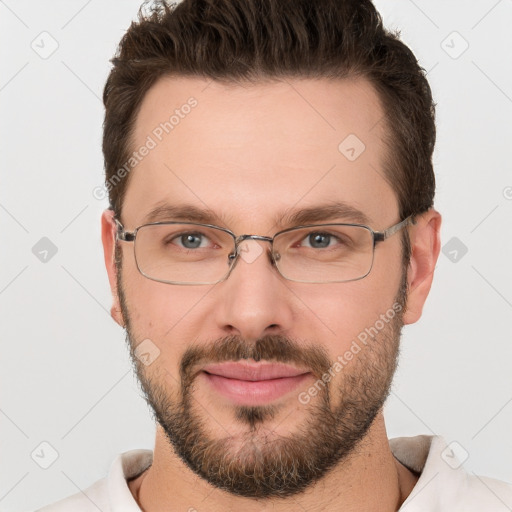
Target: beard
(259,463)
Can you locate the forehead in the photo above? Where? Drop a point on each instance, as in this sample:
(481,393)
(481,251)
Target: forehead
(252,152)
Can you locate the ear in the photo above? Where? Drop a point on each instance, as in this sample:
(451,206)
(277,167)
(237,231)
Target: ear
(108,238)
(425,246)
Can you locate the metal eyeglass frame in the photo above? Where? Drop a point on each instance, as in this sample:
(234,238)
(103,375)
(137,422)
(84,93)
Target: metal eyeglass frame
(378,236)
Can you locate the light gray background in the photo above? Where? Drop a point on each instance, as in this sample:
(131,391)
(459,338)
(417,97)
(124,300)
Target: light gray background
(65,373)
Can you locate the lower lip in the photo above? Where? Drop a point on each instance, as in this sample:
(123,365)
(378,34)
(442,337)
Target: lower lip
(244,392)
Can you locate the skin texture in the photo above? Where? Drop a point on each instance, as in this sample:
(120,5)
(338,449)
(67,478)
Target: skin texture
(250,154)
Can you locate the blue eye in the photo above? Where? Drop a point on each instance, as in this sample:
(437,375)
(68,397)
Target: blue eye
(319,240)
(189,240)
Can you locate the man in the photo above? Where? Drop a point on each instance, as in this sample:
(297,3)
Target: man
(269,168)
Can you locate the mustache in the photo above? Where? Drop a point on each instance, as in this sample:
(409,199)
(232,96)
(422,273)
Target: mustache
(272,348)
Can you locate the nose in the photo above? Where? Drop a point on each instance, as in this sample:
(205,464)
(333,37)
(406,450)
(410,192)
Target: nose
(254,300)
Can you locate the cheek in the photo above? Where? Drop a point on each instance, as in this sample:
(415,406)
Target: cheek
(172,316)
(335,314)
(335,310)
(156,308)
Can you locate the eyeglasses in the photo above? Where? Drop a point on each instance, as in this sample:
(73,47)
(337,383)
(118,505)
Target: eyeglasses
(189,253)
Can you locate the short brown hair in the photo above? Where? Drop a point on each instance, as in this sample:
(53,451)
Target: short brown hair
(236,41)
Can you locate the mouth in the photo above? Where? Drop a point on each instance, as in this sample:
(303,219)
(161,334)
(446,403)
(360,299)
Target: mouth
(245,383)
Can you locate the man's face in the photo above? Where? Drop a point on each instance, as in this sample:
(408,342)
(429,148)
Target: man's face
(249,155)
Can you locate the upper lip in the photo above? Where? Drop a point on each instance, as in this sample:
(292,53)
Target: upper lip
(253,371)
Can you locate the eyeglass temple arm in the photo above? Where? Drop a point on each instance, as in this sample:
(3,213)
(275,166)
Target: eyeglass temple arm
(123,235)
(380,236)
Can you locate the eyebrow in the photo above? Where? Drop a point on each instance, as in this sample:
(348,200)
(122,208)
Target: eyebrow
(326,212)
(188,213)
(337,211)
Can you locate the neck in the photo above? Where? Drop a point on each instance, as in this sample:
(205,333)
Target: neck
(371,480)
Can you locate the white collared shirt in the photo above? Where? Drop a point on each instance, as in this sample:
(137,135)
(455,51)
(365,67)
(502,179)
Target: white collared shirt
(444,484)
